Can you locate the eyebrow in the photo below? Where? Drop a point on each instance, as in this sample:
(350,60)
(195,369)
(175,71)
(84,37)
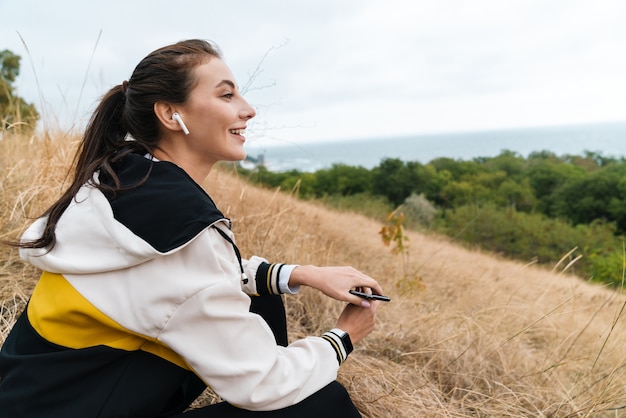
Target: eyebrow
(227,82)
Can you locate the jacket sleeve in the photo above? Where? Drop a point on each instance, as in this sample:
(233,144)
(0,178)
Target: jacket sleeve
(265,278)
(234,351)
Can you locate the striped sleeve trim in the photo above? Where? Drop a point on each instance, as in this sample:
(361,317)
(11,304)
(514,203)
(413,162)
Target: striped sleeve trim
(267,279)
(334,337)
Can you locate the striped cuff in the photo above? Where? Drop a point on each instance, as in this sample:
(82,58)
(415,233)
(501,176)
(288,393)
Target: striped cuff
(341,343)
(267,279)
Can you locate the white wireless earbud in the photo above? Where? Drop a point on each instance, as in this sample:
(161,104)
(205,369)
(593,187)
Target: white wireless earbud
(178,119)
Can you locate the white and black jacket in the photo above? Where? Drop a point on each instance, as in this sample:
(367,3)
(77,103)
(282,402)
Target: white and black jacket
(143,301)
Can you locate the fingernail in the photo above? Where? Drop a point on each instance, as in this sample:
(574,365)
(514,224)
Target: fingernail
(365,304)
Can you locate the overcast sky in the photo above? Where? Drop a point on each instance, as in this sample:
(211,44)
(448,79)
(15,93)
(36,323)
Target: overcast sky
(340,69)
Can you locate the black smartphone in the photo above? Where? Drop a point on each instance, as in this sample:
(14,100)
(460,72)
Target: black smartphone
(371,296)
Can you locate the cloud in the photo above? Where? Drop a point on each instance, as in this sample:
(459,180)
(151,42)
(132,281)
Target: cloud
(350,69)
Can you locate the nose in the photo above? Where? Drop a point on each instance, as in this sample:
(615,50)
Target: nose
(247,111)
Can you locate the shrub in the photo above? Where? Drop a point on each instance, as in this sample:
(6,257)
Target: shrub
(418,211)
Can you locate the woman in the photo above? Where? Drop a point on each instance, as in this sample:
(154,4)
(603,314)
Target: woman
(144,299)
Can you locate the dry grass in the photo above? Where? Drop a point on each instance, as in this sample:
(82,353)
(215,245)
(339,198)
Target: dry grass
(467,334)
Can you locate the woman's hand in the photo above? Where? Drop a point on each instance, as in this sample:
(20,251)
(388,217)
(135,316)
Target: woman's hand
(335,282)
(358,322)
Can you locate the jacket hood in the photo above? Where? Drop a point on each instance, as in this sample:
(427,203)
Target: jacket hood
(88,239)
(159,210)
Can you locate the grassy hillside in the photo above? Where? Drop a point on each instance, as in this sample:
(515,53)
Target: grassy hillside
(467,334)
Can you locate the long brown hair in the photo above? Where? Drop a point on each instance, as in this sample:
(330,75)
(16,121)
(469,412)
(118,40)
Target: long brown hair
(124,120)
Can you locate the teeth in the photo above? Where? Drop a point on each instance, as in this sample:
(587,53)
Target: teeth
(237,131)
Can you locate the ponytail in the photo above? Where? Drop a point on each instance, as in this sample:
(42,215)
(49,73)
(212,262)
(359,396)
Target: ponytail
(104,136)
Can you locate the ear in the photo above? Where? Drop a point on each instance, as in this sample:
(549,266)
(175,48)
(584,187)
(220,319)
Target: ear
(163,112)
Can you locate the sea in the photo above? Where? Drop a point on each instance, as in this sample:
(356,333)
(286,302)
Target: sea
(606,139)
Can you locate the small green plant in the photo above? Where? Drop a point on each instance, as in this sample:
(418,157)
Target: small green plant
(392,232)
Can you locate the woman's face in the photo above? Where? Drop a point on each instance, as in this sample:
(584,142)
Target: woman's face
(216,115)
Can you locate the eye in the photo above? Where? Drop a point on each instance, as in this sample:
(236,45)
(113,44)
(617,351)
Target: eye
(228,95)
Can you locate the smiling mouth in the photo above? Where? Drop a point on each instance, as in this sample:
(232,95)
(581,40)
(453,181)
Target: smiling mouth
(237,131)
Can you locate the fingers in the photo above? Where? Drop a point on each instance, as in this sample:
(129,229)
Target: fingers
(370,283)
(367,297)
(365,282)
(336,282)
(367,285)
(374,305)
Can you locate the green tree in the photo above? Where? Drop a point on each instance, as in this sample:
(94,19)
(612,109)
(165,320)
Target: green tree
(460,193)
(458,168)
(509,162)
(546,174)
(15,112)
(393,179)
(589,198)
(343,179)
(518,195)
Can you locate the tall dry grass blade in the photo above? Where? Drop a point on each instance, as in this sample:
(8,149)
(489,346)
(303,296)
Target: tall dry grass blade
(42,107)
(571,263)
(562,260)
(619,315)
(82,87)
